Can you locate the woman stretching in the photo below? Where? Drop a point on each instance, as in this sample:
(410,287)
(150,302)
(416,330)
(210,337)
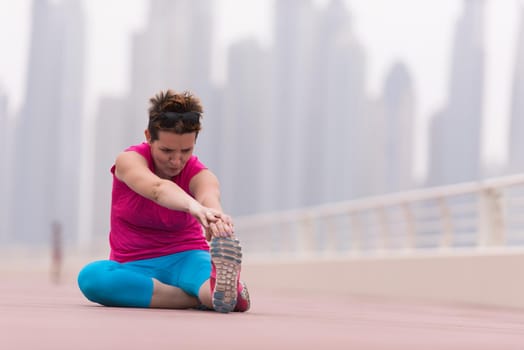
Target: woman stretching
(165,208)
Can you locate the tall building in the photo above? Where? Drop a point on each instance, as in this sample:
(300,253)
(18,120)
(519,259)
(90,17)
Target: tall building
(294,30)
(371,168)
(516,141)
(332,116)
(108,143)
(48,135)
(4,151)
(455,132)
(398,96)
(342,109)
(248,177)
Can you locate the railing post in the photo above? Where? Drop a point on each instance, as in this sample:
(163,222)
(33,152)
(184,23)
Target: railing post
(500,223)
(331,241)
(306,245)
(447,223)
(384,230)
(356,232)
(410,226)
(491,222)
(274,245)
(295,236)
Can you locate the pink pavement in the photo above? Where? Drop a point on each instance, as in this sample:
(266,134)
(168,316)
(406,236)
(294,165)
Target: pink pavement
(36,314)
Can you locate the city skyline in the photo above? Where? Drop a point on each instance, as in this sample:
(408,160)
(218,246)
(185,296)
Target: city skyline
(292,125)
(371,19)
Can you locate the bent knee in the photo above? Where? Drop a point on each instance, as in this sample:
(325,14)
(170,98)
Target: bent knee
(93,280)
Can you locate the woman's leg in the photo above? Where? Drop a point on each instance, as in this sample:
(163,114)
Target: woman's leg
(204,294)
(191,273)
(114,284)
(215,283)
(166,296)
(109,283)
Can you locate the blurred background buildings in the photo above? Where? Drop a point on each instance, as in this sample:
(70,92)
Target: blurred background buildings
(292,124)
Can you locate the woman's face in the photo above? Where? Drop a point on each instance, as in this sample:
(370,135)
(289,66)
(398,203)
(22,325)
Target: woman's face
(171,152)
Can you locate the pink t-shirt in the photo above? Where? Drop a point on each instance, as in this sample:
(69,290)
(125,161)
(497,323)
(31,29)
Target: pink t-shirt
(142,229)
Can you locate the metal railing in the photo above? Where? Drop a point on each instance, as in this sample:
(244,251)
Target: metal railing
(471,216)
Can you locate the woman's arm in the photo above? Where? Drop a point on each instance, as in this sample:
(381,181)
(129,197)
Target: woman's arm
(131,168)
(206,189)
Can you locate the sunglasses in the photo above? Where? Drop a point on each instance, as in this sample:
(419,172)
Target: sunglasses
(169,119)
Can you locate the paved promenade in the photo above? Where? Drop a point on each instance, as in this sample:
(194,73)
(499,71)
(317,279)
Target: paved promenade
(37,314)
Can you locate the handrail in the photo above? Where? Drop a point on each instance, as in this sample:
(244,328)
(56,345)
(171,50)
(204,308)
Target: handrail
(471,215)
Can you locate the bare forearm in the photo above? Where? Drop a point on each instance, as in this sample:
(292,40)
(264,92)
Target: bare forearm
(169,195)
(210,199)
(223,227)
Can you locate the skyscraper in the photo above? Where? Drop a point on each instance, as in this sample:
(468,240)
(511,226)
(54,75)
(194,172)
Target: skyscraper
(455,131)
(248,176)
(516,141)
(294,29)
(108,143)
(4,146)
(399,106)
(336,150)
(48,135)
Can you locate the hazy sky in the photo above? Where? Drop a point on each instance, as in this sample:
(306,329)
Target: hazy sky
(417,32)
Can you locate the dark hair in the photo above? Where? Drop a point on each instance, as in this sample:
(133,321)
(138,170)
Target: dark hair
(175,112)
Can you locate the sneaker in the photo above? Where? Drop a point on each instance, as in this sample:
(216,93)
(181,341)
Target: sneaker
(226,257)
(243,302)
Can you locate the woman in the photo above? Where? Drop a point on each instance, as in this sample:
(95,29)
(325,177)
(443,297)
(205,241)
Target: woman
(162,198)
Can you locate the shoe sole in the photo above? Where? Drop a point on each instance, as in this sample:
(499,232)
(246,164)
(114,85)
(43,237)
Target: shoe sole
(226,254)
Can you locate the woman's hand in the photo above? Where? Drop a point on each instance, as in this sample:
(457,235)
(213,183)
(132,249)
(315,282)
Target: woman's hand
(215,223)
(205,216)
(221,228)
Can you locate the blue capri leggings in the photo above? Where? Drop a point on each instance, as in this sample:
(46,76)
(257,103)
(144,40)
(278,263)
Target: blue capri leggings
(130,284)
